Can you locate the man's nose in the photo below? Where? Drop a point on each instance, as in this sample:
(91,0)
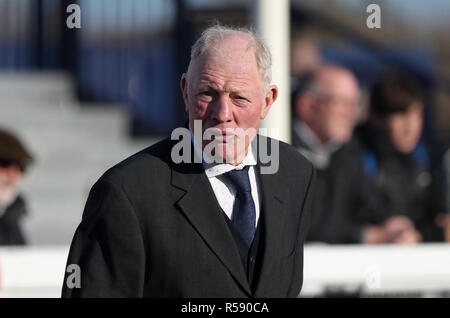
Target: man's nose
(222,110)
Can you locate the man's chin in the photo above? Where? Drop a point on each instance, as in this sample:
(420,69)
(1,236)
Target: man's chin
(342,137)
(221,155)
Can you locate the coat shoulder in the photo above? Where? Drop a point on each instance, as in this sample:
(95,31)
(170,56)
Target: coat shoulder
(147,163)
(290,159)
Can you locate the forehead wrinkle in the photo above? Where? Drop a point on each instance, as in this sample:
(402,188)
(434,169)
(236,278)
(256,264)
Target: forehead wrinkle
(226,54)
(230,83)
(218,70)
(225,86)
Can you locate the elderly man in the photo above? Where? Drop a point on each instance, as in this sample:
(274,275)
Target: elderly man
(14,158)
(155,226)
(326,107)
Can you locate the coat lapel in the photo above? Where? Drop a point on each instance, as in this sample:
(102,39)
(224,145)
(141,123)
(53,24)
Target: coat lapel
(274,194)
(201,208)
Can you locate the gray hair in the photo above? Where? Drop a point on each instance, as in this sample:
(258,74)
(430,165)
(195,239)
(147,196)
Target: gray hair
(212,35)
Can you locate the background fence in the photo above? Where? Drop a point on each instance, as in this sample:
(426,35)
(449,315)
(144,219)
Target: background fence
(367,271)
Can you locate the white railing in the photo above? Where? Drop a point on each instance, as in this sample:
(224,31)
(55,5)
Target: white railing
(371,270)
(32,271)
(377,270)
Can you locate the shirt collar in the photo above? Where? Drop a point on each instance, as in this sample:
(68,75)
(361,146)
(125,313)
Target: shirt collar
(315,151)
(216,169)
(312,141)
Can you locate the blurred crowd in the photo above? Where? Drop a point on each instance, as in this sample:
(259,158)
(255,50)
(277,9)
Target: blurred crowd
(376,179)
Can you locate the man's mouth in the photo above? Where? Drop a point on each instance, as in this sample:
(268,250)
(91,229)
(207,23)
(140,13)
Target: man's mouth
(224,137)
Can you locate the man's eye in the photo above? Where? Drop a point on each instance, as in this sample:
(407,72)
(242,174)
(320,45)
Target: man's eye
(241,98)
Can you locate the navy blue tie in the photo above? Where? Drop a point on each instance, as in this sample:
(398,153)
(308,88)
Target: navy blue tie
(244,212)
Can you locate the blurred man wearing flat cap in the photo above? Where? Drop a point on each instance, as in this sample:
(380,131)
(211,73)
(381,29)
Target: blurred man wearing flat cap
(14,158)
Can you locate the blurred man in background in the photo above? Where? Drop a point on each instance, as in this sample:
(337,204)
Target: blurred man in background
(397,164)
(326,110)
(14,158)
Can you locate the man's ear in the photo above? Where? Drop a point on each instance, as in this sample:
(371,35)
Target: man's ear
(184,85)
(269,99)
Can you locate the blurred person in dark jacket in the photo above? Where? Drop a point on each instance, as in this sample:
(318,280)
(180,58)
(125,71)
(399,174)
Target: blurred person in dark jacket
(398,166)
(326,110)
(14,158)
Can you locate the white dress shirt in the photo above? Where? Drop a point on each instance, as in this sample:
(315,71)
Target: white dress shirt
(224,190)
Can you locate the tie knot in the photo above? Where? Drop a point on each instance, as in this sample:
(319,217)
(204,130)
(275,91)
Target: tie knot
(240,179)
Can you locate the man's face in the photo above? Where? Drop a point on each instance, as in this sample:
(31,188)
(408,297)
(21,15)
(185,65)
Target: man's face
(10,176)
(224,90)
(405,128)
(336,109)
